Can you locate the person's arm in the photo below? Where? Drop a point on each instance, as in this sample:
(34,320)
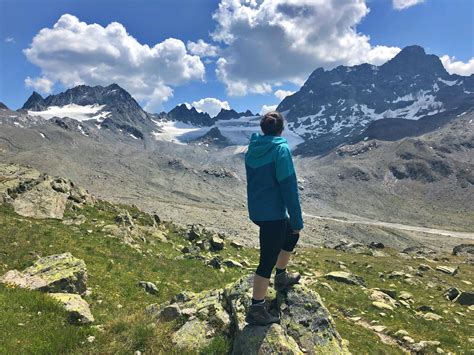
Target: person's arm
(286,177)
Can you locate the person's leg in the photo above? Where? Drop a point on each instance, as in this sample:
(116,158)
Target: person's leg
(283,259)
(271,241)
(283,279)
(287,248)
(260,287)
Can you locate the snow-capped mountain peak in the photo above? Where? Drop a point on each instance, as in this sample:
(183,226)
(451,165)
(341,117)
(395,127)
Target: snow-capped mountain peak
(336,105)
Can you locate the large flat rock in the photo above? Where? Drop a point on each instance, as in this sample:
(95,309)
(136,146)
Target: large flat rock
(41,201)
(55,273)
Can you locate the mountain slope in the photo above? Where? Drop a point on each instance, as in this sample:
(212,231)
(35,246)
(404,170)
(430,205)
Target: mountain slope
(109,107)
(336,106)
(428,179)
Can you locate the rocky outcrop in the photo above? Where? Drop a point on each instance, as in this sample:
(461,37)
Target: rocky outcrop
(134,235)
(63,276)
(41,202)
(419,251)
(305,327)
(37,195)
(54,273)
(356,149)
(466,251)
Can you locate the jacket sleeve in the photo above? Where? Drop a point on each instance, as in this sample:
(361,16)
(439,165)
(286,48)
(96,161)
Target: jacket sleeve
(286,177)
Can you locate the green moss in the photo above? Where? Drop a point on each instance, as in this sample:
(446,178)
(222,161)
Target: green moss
(33,323)
(218,345)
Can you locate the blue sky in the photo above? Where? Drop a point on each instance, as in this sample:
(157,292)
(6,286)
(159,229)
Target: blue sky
(253,65)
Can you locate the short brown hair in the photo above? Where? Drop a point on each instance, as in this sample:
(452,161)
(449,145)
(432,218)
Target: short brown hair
(272,123)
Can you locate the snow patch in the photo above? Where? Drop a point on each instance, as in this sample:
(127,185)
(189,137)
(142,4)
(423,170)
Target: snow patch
(448,82)
(408,97)
(81,129)
(76,112)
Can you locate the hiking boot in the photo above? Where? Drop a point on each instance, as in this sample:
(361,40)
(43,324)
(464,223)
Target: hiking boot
(258,314)
(284,280)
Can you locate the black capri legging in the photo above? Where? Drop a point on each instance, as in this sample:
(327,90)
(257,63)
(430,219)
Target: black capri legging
(274,236)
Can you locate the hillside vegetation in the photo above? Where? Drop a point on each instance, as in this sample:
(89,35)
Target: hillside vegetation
(411,312)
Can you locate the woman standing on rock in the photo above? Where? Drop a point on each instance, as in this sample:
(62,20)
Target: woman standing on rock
(273,204)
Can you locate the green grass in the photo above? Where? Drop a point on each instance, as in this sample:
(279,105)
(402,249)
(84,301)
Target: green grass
(353,301)
(363,341)
(118,303)
(113,272)
(31,322)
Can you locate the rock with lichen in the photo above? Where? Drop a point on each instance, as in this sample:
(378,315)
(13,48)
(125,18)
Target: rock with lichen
(306,325)
(54,273)
(41,201)
(78,309)
(345,277)
(36,195)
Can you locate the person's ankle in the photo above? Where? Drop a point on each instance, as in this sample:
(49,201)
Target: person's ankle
(254,301)
(280,271)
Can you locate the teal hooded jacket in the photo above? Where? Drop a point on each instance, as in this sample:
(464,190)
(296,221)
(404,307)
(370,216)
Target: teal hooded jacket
(272,188)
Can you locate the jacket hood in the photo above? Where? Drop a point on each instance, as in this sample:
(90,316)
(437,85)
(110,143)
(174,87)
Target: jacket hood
(261,144)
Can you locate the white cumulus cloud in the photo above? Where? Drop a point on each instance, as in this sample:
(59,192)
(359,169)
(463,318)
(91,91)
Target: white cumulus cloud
(454,66)
(41,84)
(202,49)
(211,105)
(404,4)
(9,39)
(267,108)
(74,52)
(269,41)
(281,94)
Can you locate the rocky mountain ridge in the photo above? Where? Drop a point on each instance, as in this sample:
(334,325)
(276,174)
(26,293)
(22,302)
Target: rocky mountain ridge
(337,106)
(109,107)
(409,95)
(230,114)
